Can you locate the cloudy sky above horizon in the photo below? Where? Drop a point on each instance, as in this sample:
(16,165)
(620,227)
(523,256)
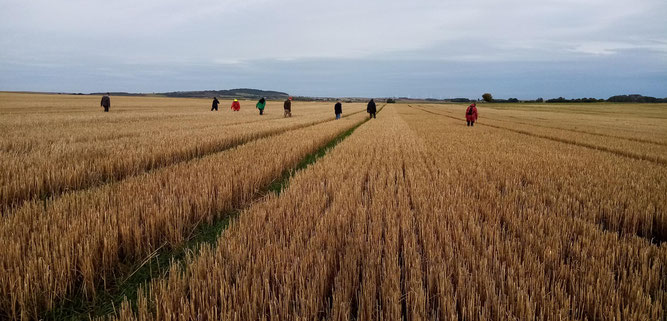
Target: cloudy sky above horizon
(421,48)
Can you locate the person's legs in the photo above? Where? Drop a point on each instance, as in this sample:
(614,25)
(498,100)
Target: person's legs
(106,109)
(261,111)
(472,123)
(467,123)
(374,115)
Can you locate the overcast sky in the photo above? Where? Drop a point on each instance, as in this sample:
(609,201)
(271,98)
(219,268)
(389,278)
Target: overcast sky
(511,48)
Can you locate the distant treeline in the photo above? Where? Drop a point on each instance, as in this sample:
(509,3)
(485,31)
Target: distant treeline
(636,99)
(613,99)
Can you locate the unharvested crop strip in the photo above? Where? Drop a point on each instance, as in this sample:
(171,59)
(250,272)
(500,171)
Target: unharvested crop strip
(107,300)
(345,287)
(287,145)
(157,266)
(9,206)
(657,159)
(343,242)
(282,183)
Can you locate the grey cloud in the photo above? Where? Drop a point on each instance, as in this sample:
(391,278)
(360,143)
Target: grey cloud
(347,47)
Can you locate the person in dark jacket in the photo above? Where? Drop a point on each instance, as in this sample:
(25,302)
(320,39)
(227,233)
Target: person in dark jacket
(471,114)
(215,104)
(106,102)
(260,105)
(371,109)
(338,109)
(288,107)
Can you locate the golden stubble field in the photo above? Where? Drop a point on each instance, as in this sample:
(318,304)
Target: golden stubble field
(538,212)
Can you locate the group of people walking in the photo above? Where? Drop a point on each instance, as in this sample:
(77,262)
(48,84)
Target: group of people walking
(261,104)
(236,106)
(371,108)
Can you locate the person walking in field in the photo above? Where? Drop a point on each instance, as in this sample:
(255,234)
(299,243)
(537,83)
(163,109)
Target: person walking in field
(215,104)
(260,105)
(471,114)
(106,102)
(236,106)
(288,107)
(338,109)
(371,109)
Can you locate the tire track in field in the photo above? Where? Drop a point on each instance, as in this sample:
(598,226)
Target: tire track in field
(159,262)
(634,139)
(195,153)
(657,160)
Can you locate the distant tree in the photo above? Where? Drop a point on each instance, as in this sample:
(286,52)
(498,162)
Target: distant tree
(513,100)
(635,99)
(557,100)
(391,101)
(539,100)
(487,97)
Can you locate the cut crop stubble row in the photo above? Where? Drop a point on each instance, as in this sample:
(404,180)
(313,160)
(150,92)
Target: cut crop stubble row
(414,226)
(629,146)
(622,194)
(73,243)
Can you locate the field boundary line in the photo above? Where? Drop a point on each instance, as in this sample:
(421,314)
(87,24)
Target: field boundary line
(158,263)
(656,160)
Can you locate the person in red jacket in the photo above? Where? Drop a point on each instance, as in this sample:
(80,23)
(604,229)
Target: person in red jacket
(471,114)
(236,106)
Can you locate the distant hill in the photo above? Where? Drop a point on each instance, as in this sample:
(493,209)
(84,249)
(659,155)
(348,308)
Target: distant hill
(115,93)
(241,93)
